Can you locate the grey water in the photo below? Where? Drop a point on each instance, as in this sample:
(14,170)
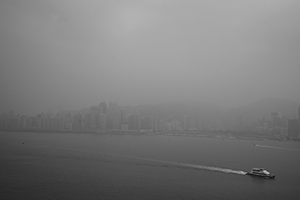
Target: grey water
(91,166)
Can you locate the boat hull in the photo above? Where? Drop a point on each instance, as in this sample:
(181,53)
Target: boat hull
(271,176)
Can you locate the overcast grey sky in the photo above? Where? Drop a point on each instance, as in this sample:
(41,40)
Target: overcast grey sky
(77,53)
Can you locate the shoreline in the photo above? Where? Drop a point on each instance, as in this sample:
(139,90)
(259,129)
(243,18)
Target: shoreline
(139,133)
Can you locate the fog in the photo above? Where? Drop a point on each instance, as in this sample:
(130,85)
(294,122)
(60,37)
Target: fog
(75,53)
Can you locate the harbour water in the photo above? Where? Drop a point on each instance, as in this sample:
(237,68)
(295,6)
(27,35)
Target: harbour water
(91,166)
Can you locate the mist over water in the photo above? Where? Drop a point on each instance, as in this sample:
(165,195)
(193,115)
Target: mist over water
(152,99)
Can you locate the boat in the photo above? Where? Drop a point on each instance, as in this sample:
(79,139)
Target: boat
(261,172)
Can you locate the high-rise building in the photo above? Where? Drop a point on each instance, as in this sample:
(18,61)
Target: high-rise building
(293,129)
(124,117)
(193,120)
(175,125)
(152,122)
(116,119)
(162,125)
(276,119)
(185,122)
(93,117)
(77,122)
(145,122)
(199,123)
(102,123)
(135,122)
(86,121)
(112,107)
(103,107)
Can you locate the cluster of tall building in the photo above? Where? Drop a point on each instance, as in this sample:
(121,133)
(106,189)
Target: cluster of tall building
(279,126)
(110,116)
(276,126)
(101,118)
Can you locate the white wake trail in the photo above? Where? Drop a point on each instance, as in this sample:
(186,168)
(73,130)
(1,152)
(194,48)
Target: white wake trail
(274,147)
(185,165)
(199,167)
(232,171)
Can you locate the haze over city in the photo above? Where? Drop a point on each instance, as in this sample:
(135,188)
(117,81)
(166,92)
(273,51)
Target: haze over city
(150,99)
(75,54)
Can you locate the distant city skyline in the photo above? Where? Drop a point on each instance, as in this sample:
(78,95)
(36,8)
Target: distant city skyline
(61,107)
(180,118)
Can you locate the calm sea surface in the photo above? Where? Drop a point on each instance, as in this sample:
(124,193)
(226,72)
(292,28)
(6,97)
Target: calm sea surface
(90,166)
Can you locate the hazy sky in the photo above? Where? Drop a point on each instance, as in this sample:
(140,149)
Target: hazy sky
(77,53)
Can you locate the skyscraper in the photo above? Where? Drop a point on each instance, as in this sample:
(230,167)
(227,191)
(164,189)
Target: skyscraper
(116,119)
(152,122)
(135,122)
(103,107)
(102,123)
(293,128)
(94,117)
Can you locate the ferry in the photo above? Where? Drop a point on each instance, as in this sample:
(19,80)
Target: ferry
(261,172)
